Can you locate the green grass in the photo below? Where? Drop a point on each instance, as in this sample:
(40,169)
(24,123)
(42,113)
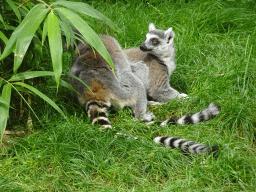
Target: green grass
(216,61)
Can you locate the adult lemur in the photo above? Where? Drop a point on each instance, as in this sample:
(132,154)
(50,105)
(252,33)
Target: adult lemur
(140,73)
(155,59)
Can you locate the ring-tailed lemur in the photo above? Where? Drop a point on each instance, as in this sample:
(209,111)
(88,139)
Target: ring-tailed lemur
(155,56)
(124,88)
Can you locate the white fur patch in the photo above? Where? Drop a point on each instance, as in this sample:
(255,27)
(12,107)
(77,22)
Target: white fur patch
(95,107)
(214,109)
(181,120)
(157,139)
(106,127)
(195,118)
(151,27)
(183,95)
(176,143)
(100,118)
(164,123)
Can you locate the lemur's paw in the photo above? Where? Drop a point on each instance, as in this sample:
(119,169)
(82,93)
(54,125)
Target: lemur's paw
(183,95)
(148,116)
(154,103)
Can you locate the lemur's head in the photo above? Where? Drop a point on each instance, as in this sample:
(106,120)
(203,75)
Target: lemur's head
(158,42)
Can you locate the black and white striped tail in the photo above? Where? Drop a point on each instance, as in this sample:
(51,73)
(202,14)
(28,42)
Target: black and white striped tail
(208,113)
(97,111)
(186,146)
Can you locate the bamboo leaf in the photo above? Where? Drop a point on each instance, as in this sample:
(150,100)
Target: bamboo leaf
(55,42)
(67,33)
(90,36)
(38,45)
(6,96)
(6,93)
(12,41)
(30,74)
(67,28)
(73,76)
(20,89)
(43,96)
(14,8)
(27,91)
(26,36)
(67,85)
(86,9)
(3,37)
(3,101)
(45,31)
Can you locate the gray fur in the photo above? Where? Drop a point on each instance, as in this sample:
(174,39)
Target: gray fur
(122,89)
(160,61)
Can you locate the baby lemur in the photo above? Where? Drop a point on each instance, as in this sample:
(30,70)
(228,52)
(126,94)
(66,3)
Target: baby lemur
(141,74)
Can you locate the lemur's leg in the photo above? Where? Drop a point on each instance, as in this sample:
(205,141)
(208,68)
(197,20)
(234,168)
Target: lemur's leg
(167,94)
(140,109)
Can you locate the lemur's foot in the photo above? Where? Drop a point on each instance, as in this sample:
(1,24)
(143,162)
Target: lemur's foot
(183,95)
(154,103)
(148,116)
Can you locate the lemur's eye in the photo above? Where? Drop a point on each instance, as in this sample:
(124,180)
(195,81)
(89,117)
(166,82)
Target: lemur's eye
(154,41)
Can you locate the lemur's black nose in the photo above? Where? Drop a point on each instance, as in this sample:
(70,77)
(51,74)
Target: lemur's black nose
(143,47)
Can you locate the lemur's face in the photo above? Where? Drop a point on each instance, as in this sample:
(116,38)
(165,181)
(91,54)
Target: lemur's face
(157,42)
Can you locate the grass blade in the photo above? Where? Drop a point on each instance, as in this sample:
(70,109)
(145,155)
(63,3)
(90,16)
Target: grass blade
(43,96)
(26,36)
(6,96)
(246,69)
(30,74)
(86,9)
(90,36)
(55,42)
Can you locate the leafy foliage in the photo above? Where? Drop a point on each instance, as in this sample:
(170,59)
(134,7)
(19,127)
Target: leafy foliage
(56,18)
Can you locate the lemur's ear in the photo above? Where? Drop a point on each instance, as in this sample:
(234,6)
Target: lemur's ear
(169,34)
(151,27)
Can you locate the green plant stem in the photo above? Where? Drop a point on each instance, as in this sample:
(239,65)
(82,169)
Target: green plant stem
(49,7)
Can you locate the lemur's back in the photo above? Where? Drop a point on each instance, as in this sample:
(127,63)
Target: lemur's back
(106,88)
(89,59)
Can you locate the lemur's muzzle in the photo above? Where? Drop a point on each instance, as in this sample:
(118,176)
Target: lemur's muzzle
(144,48)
